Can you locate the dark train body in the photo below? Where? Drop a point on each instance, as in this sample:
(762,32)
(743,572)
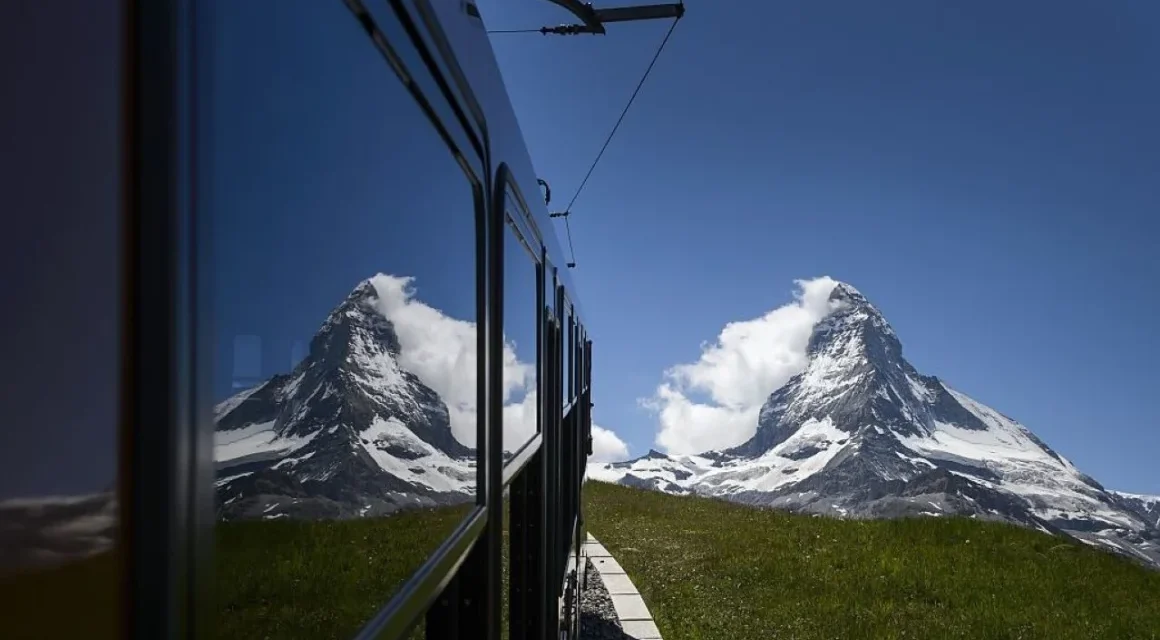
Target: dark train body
(342,355)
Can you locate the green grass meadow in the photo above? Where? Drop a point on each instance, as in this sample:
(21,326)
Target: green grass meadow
(710,570)
(325,579)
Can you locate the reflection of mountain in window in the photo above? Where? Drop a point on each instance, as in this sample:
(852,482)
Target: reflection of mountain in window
(520,324)
(387,375)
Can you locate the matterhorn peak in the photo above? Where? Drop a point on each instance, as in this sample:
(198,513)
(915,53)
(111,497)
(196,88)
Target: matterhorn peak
(847,293)
(861,433)
(855,328)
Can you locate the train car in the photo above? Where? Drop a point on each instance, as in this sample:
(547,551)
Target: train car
(328,375)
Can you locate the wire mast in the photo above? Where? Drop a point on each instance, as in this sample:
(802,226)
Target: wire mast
(595,19)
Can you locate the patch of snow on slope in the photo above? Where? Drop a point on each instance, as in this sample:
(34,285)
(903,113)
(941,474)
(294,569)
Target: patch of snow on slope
(916,461)
(811,447)
(1150,501)
(228,479)
(920,392)
(291,461)
(1050,486)
(682,471)
(231,403)
(605,472)
(1012,432)
(774,470)
(829,372)
(435,469)
(968,445)
(385,378)
(291,388)
(1004,440)
(255,439)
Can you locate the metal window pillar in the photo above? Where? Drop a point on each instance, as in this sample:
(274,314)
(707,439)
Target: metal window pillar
(553,425)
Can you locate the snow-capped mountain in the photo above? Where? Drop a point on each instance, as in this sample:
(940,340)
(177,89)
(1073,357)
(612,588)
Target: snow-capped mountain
(861,433)
(46,531)
(1147,507)
(347,433)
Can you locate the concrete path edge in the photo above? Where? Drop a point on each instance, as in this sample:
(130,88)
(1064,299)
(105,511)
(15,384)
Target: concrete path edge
(635,619)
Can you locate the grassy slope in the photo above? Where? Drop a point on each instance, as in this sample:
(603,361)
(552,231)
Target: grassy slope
(274,579)
(710,569)
(324,579)
(287,579)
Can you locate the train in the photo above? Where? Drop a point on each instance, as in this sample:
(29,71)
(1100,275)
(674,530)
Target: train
(344,376)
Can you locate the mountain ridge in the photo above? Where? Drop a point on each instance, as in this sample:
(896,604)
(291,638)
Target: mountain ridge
(348,433)
(861,433)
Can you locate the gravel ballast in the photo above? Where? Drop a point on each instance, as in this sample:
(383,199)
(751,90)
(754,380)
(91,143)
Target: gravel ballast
(598,620)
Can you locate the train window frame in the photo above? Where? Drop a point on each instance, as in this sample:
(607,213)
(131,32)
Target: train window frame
(566,320)
(403,608)
(521,227)
(572,324)
(170,468)
(413,599)
(575,358)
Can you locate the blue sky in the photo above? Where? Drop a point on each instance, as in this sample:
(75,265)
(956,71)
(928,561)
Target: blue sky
(989,179)
(319,172)
(302,210)
(988,176)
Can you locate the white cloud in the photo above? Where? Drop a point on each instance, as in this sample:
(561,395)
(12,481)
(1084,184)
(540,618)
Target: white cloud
(606,446)
(519,421)
(748,361)
(440,350)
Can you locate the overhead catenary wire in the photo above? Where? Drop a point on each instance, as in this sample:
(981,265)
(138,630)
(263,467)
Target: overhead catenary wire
(515,31)
(568,210)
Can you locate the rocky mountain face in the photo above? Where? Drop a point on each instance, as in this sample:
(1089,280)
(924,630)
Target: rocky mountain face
(1147,507)
(347,433)
(860,433)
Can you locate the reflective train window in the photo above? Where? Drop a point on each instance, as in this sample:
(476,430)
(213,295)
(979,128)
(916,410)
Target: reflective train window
(575,359)
(582,378)
(520,324)
(61,260)
(566,348)
(344,296)
(571,353)
(581,375)
(548,308)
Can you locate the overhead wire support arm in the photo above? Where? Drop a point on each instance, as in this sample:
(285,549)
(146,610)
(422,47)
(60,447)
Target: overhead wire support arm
(595,19)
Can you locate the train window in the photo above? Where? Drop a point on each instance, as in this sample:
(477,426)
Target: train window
(587,363)
(344,294)
(520,326)
(60,570)
(549,289)
(566,344)
(572,355)
(582,373)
